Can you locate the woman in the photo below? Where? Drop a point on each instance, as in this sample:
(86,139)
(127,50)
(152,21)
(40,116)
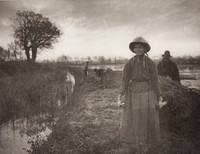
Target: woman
(140,120)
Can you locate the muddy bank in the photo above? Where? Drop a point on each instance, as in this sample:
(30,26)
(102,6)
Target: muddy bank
(91,123)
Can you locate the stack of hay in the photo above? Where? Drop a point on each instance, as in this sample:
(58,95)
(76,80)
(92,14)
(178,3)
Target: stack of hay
(183,102)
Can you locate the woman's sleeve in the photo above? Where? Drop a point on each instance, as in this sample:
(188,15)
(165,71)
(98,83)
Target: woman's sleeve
(125,78)
(154,79)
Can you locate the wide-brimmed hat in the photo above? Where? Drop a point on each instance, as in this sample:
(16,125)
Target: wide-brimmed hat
(139,40)
(167,54)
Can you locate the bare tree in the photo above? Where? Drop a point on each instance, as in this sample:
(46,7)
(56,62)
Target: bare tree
(14,49)
(33,31)
(4,54)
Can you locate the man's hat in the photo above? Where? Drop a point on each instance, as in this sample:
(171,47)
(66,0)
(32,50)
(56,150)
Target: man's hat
(167,54)
(139,40)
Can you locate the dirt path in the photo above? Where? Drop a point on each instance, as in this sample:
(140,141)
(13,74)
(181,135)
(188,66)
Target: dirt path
(99,118)
(102,112)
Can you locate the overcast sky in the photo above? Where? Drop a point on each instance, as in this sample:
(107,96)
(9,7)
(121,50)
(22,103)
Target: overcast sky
(106,27)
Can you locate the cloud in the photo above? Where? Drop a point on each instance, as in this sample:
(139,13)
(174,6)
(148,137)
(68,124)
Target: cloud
(107,26)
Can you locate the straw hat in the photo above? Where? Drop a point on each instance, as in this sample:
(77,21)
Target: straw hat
(139,40)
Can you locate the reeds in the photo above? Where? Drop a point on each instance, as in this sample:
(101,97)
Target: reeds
(30,89)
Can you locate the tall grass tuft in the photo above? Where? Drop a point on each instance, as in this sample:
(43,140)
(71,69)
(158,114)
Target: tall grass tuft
(31,88)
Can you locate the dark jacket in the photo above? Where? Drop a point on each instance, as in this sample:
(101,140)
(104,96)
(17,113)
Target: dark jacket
(168,69)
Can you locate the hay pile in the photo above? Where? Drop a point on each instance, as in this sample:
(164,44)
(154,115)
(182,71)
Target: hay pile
(182,100)
(179,119)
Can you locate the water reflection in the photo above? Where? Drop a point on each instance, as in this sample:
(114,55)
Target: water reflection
(114,67)
(12,141)
(190,77)
(15,134)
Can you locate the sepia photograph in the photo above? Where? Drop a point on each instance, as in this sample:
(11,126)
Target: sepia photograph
(99,77)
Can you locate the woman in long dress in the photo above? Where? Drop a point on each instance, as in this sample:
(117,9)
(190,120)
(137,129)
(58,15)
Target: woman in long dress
(140,120)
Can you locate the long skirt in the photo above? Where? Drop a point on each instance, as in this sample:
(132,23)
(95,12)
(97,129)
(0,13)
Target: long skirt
(140,120)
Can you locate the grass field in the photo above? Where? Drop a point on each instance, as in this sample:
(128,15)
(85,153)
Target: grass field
(91,124)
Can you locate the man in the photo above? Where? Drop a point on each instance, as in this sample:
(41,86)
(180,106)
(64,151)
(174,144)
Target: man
(167,67)
(85,69)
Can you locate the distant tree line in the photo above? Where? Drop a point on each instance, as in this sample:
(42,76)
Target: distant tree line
(185,60)
(15,53)
(189,60)
(92,60)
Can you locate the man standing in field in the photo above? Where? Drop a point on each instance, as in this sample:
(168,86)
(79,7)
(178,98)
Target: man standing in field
(166,67)
(85,69)
(85,72)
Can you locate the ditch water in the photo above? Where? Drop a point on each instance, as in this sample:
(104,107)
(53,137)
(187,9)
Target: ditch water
(15,135)
(191,77)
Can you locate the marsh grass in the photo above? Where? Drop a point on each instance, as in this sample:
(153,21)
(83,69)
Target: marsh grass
(89,124)
(29,89)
